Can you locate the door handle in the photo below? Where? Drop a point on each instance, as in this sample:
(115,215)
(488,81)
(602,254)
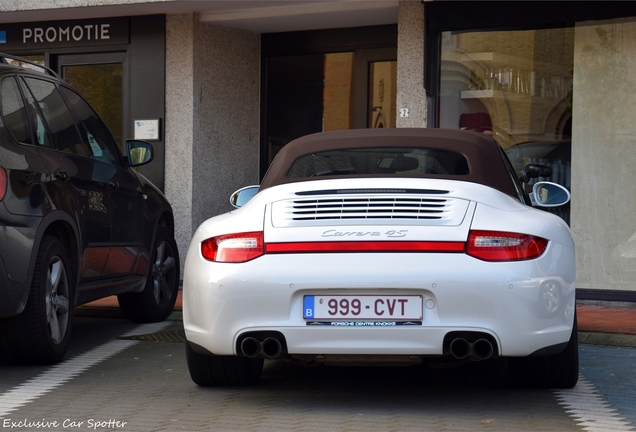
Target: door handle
(61,175)
(113,184)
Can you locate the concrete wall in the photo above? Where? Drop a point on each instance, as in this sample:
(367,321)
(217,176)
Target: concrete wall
(604,154)
(212,119)
(29,5)
(411,94)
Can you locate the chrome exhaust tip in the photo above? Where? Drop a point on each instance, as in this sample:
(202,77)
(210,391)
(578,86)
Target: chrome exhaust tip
(272,347)
(250,347)
(482,349)
(460,348)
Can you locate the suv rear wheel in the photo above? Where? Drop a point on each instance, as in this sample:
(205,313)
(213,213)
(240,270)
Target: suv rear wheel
(157,299)
(41,333)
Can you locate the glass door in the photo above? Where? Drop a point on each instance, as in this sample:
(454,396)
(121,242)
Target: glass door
(332,91)
(100,78)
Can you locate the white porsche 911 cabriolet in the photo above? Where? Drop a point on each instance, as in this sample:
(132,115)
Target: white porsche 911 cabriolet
(385,246)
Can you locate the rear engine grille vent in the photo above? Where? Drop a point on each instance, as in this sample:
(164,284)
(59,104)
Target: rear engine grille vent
(434,208)
(366,208)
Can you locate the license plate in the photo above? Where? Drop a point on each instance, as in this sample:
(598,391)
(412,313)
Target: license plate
(367,307)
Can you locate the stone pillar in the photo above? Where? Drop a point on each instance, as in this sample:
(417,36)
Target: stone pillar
(411,94)
(179,127)
(212,119)
(226,143)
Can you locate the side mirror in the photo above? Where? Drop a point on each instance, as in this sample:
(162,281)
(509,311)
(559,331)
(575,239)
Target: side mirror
(243,195)
(535,171)
(548,194)
(139,152)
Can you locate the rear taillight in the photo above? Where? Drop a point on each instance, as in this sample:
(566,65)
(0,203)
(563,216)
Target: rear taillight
(3,183)
(233,248)
(504,246)
(484,245)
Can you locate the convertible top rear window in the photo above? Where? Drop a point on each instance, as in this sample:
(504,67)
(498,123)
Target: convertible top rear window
(445,154)
(381,161)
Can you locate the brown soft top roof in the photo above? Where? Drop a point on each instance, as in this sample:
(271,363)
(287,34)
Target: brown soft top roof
(482,152)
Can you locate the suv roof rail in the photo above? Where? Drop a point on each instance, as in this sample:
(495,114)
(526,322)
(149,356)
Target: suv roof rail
(5,57)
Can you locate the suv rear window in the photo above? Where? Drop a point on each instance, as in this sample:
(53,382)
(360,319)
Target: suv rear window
(382,161)
(61,125)
(13,110)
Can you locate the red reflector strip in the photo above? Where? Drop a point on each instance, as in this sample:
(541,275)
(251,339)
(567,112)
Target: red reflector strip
(365,246)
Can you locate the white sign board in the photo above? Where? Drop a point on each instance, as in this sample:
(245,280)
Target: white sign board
(147,130)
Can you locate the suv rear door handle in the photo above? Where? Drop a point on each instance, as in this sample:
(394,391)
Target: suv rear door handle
(61,175)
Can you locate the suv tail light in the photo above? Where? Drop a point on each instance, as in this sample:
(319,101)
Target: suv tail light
(3,183)
(233,248)
(504,246)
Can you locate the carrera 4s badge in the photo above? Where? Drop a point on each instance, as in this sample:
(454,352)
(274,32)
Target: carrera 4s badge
(389,233)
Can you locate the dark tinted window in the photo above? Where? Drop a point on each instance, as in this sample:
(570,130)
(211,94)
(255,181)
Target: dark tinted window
(60,123)
(381,161)
(13,111)
(42,134)
(93,129)
(513,177)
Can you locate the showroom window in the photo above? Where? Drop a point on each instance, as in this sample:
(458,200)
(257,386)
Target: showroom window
(515,86)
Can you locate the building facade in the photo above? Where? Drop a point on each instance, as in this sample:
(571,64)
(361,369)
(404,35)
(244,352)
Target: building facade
(220,87)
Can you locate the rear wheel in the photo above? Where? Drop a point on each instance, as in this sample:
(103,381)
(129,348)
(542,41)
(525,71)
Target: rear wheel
(558,371)
(211,370)
(156,301)
(42,332)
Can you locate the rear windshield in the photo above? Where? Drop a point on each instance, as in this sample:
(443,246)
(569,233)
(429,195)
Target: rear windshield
(381,161)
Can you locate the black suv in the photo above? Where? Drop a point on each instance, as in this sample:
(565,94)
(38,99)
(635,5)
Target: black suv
(77,222)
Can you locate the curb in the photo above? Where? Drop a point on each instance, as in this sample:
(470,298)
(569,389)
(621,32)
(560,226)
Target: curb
(608,339)
(115,312)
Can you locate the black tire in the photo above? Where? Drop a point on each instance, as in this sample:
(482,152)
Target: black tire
(558,371)
(156,302)
(211,370)
(42,332)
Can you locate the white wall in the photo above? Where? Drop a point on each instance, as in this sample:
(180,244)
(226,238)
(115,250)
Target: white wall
(604,154)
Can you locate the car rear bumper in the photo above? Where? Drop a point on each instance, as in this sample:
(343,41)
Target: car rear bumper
(15,255)
(506,301)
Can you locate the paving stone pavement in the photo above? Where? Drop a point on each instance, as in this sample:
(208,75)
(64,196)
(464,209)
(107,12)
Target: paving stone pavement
(146,387)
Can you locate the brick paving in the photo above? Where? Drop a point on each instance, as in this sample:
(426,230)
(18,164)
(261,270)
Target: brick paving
(607,318)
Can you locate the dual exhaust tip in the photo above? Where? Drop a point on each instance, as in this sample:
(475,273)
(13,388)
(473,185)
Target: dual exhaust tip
(460,348)
(481,349)
(269,348)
